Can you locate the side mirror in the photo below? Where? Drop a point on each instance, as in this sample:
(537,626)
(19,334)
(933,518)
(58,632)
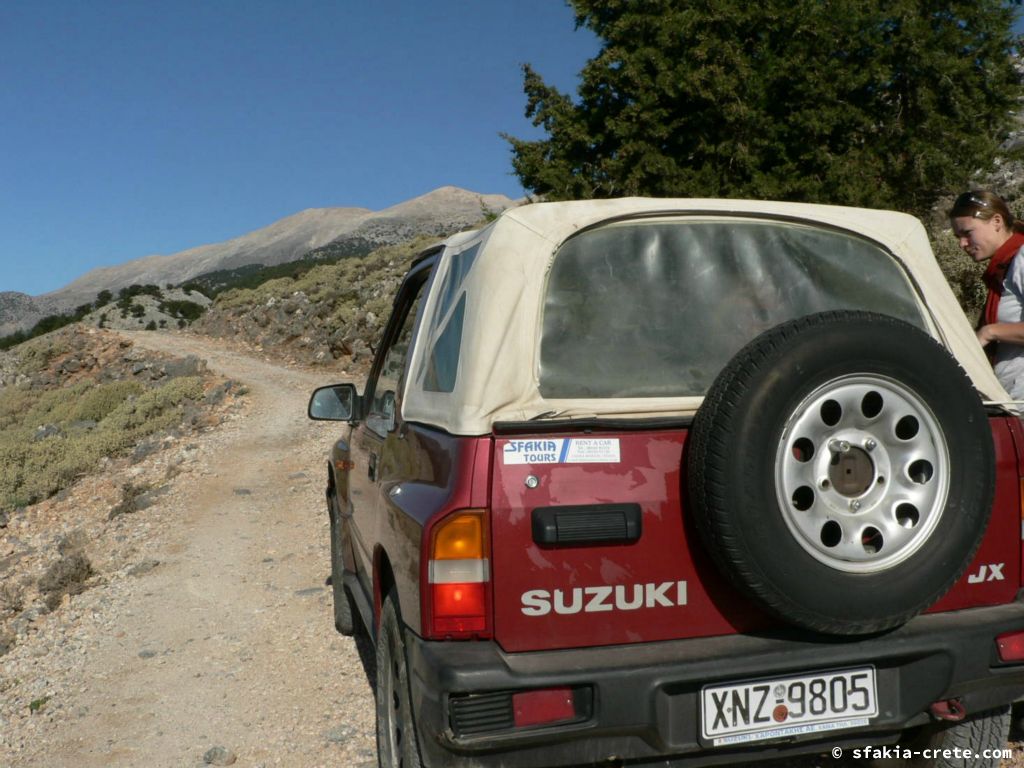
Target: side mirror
(338,402)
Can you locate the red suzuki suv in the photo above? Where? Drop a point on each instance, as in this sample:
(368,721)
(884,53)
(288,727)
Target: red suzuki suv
(680,482)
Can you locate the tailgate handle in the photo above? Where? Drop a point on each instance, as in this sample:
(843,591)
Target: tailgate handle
(587,524)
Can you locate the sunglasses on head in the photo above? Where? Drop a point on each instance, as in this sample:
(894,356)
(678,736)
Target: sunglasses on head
(970,198)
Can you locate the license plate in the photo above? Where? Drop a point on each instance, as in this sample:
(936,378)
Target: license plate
(758,710)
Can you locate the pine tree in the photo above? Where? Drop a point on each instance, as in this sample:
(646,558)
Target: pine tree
(883,103)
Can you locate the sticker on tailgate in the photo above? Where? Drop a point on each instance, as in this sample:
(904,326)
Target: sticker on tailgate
(563,450)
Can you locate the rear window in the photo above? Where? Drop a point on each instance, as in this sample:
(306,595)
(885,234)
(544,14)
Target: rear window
(656,309)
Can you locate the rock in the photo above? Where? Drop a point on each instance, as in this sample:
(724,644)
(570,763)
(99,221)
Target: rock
(187,366)
(219,756)
(147,653)
(143,567)
(149,498)
(216,395)
(340,735)
(144,449)
(46,430)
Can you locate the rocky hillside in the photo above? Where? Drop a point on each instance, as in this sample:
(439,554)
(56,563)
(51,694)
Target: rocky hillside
(18,311)
(347,231)
(332,314)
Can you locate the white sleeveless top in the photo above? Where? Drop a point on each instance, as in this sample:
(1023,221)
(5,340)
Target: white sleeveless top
(1009,364)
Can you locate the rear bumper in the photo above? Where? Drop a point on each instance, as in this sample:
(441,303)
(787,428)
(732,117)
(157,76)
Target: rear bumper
(644,698)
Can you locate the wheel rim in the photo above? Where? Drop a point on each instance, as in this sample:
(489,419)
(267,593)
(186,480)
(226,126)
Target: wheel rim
(862,473)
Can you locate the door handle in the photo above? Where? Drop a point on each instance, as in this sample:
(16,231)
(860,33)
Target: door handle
(372,467)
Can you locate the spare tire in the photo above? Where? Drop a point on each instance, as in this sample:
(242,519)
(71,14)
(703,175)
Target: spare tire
(841,471)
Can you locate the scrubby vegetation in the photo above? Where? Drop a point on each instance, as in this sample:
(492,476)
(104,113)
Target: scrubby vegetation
(337,285)
(330,312)
(49,438)
(77,396)
(251,276)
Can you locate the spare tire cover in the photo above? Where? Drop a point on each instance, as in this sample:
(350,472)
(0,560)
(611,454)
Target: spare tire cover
(841,471)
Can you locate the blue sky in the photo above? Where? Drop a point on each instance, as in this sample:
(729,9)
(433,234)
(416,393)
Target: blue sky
(132,127)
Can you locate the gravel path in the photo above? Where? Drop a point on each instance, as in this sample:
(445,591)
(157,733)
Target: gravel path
(217,646)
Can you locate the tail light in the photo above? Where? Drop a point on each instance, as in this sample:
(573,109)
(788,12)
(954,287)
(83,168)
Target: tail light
(1011,647)
(459,577)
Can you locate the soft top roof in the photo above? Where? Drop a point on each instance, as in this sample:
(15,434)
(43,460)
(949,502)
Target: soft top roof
(504,286)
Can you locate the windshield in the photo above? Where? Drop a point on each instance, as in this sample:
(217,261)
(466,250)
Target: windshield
(656,309)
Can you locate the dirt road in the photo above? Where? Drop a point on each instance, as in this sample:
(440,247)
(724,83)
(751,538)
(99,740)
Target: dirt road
(218,643)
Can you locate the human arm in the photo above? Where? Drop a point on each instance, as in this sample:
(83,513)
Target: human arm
(1011,333)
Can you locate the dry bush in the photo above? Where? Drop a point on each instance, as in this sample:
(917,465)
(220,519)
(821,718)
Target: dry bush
(66,576)
(12,599)
(129,496)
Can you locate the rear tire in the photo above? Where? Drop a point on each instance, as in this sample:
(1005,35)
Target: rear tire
(346,616)
(396,729)
(988,730)
(985,731)
(841,471)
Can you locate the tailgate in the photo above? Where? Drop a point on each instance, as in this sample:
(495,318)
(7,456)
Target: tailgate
(591,545)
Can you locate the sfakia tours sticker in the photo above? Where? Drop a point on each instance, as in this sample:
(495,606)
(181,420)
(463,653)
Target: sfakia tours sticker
(563,450)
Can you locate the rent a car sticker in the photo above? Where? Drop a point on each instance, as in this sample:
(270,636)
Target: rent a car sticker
(563,450)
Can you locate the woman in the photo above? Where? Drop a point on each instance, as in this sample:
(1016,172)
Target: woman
(987,230)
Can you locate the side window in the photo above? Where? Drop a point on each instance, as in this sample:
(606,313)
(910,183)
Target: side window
(443,363)
(439,366)
(383,410)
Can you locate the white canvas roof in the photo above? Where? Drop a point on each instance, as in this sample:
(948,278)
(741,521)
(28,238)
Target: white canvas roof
(498,369)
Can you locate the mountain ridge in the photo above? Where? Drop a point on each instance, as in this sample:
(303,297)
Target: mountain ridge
(438,212)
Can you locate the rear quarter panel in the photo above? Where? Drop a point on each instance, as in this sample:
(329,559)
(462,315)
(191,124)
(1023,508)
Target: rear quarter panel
(424,474)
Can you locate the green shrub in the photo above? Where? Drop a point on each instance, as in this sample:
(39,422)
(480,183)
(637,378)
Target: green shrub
(125,412)
(14,404)
(55,405)
(150,411)
(35,355)
(100,401)
(187,310)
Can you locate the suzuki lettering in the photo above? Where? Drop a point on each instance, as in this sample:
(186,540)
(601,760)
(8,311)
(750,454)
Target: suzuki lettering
(621,597)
